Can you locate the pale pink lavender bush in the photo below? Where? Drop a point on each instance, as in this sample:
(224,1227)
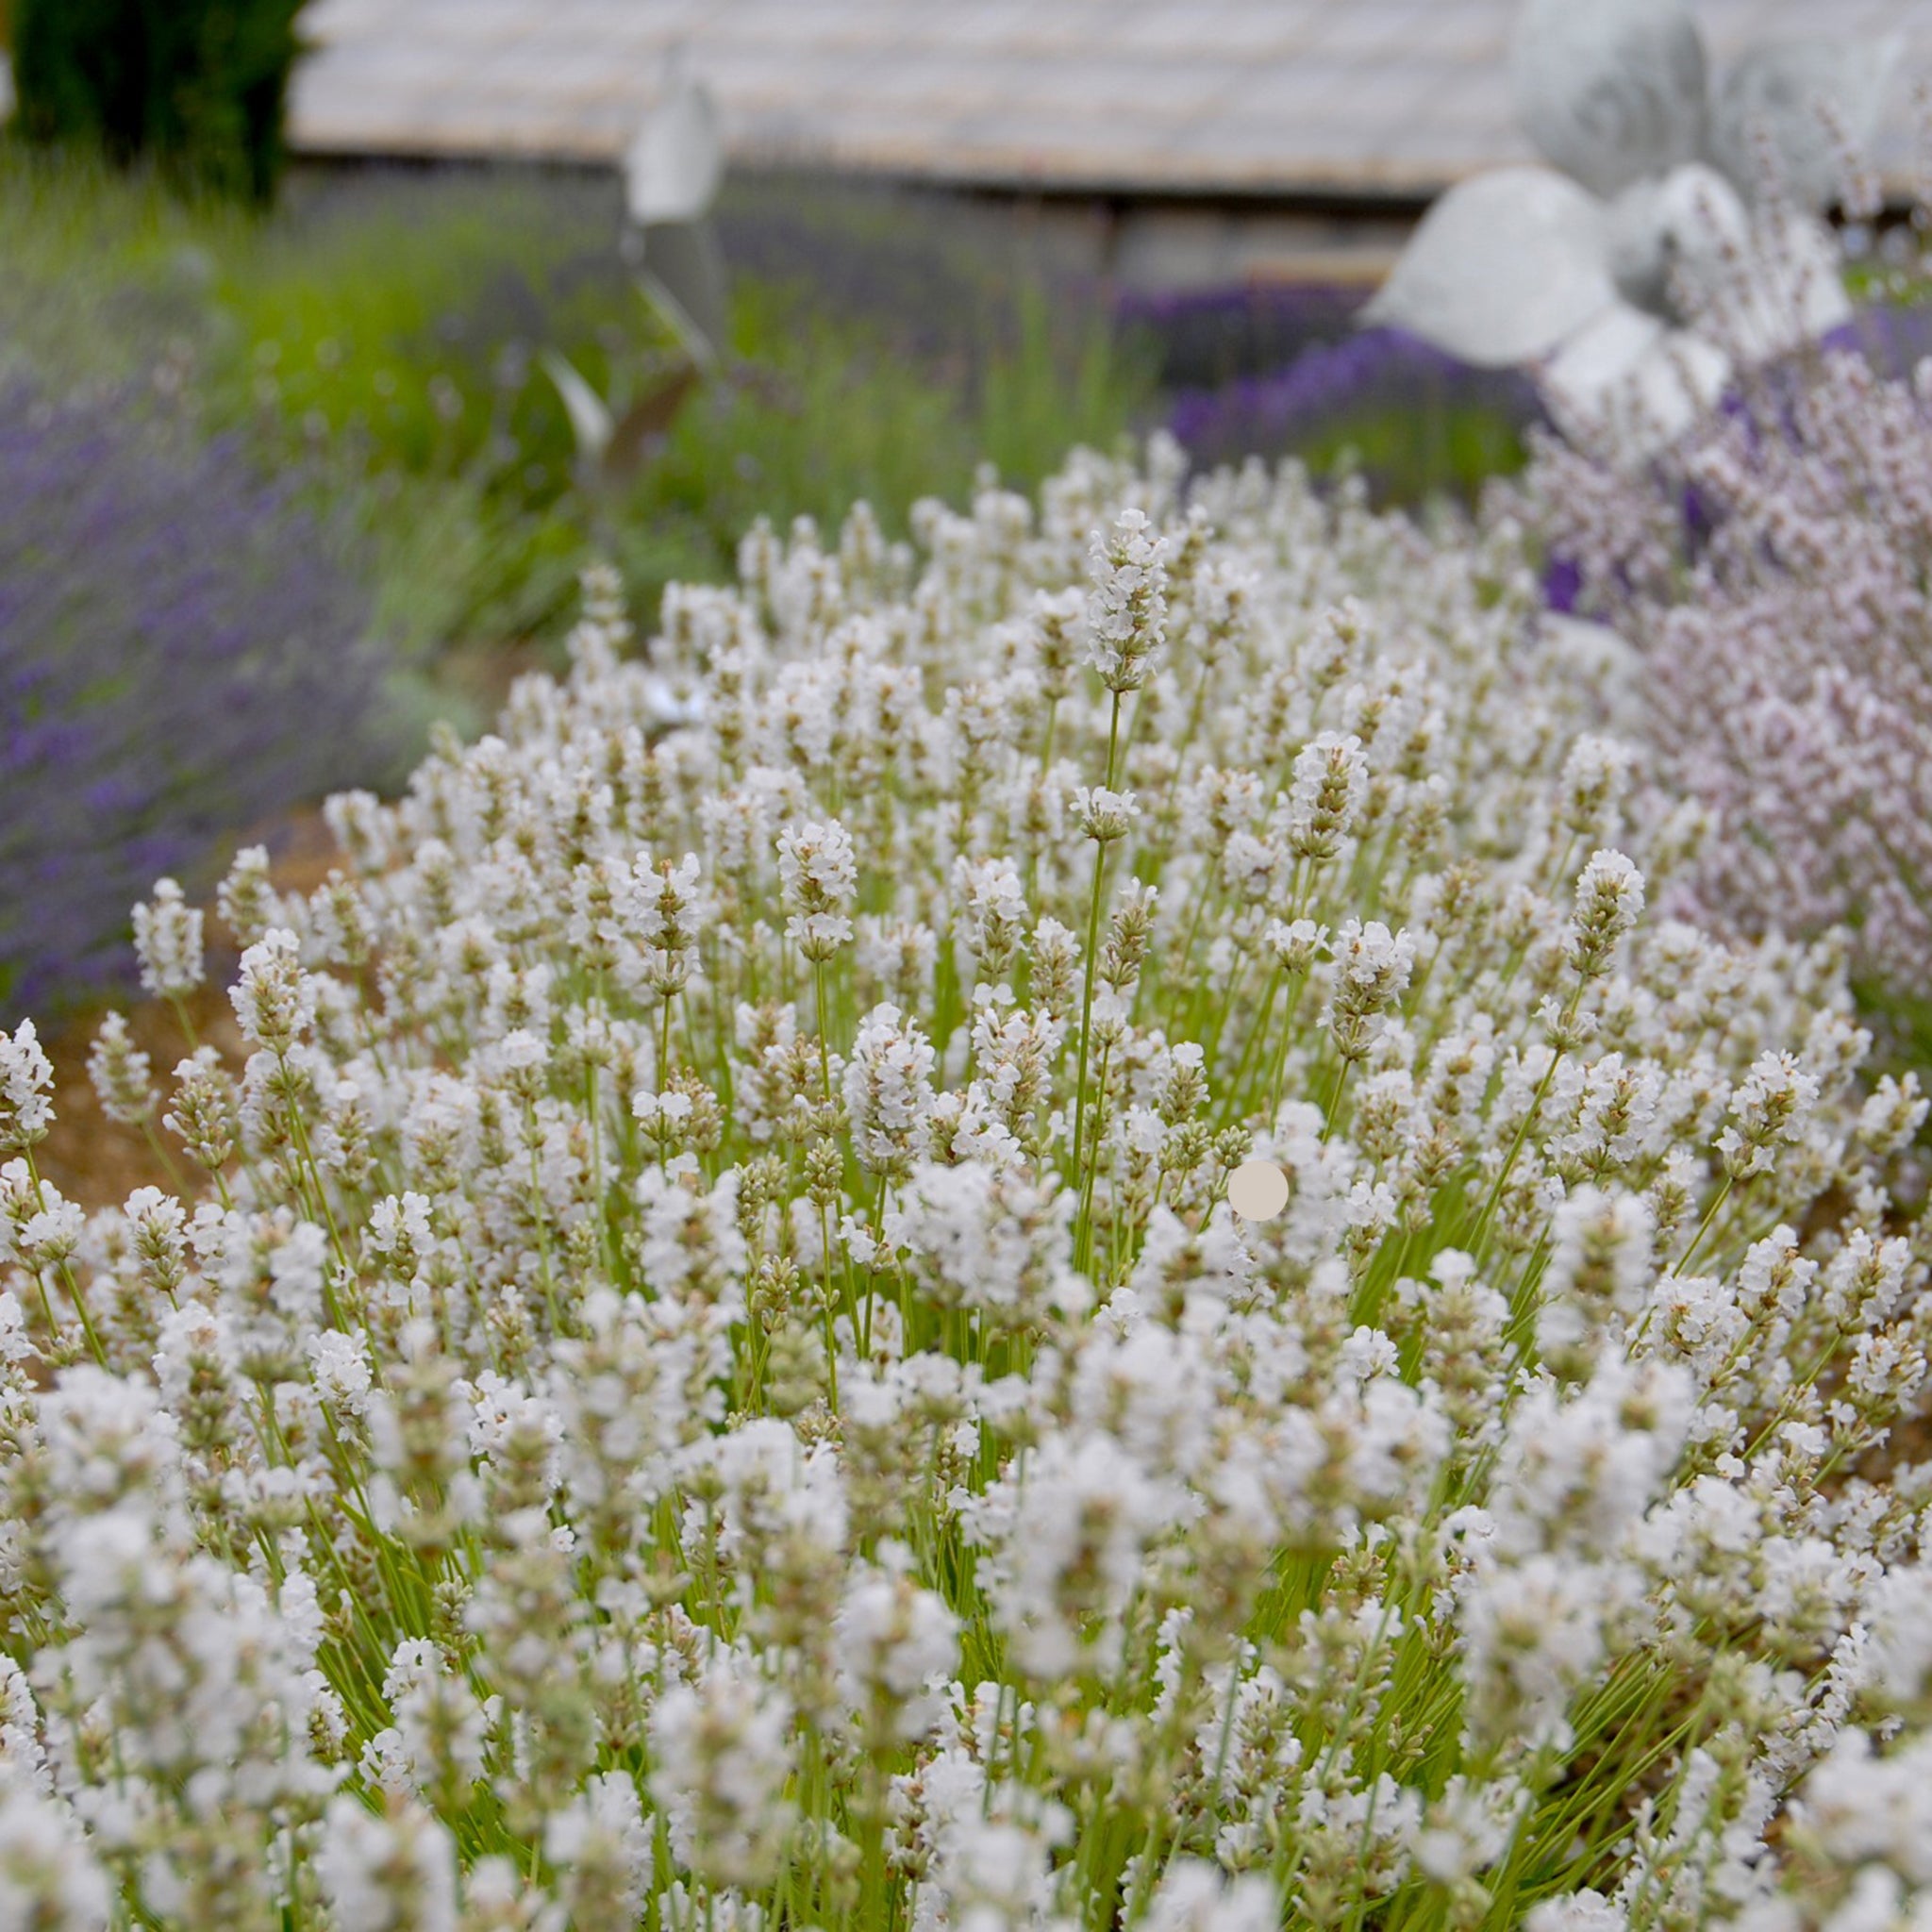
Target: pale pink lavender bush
(1772,568)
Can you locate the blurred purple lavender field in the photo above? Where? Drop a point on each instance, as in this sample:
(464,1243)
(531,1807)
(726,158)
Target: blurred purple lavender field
(1211,337)
(182,652)
(1281,370)
(1417,418)
(1263,368)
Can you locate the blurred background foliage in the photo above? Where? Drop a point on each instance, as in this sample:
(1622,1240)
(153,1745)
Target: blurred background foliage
(286,477)
(368,351)
(185,649)
(197,86)
(387,324)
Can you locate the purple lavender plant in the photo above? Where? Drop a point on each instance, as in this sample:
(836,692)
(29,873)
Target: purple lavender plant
(1895,336)
(183,653)
(1210,337)
(1419,420)
(1786,631)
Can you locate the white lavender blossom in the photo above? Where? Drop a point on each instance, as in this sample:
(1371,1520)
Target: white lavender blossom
(167,940)
(27,1077)
(1331,779)
(1126,612)
(1609,900)
(702,1371)
(821,876)
(722,1752)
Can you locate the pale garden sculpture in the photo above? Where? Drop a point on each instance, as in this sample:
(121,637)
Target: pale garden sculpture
(671,173)
(1677,232)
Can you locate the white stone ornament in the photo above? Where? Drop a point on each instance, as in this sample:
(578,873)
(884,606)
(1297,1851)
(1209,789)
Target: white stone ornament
(1778,85)
(590,420)
(675,162)
(1543,245)
(1638,272)
(1631,381)
(1610,90)
(671,173)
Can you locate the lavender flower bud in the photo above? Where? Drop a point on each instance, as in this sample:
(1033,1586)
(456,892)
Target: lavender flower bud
(1609,900)
(26,1085)
(167,936)
(819,875)
(121,1072)
(246,899)
(1331,779)
(1103,815)
(204,1111)
(1373,966)
(1768,1108)
(1127,610)
(275,999)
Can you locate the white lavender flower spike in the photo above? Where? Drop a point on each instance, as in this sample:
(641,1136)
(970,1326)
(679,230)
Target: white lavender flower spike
(674,164)
(1634,274)
(668,711)
(704,1372)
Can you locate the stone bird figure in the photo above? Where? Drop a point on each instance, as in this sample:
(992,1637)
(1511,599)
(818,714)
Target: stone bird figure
(1676,232)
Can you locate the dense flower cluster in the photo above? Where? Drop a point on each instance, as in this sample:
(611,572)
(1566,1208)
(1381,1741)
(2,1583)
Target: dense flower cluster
(1773,572)
(710,1382)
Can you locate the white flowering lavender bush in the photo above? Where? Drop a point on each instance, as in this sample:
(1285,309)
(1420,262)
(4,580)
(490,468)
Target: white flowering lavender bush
(707,1380)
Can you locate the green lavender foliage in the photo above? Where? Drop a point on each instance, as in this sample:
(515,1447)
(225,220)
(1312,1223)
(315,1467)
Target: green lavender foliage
(387,328)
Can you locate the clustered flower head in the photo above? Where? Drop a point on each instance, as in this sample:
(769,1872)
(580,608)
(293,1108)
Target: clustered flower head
(1126,613)
(819,874)
(704,1375)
